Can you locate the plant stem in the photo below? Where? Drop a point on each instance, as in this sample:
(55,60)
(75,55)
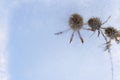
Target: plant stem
(112,66)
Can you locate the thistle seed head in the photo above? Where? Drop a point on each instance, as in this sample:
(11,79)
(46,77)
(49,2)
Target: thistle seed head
(76,21)
(111,32)
(94,23)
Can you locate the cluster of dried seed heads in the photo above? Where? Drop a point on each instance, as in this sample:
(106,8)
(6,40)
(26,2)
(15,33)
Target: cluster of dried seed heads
(95,24)
(76,24)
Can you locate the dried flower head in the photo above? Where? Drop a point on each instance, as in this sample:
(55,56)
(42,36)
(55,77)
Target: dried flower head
(75,24)
(112,34)
(96,24)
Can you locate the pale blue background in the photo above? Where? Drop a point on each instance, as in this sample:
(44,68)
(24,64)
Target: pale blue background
(37,54)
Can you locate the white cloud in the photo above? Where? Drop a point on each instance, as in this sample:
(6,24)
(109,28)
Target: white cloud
(3,52)
(3,40)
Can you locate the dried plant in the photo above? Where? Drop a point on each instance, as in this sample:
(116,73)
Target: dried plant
(108,46)
(96,24)
(112,34)
(76,24)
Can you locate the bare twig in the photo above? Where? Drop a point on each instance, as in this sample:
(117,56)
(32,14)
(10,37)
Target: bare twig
(112,66)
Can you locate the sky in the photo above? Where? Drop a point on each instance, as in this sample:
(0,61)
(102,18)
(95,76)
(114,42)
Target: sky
(29,50)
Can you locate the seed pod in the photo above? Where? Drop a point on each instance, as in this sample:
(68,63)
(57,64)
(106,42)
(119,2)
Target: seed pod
(75,23)
(94,23)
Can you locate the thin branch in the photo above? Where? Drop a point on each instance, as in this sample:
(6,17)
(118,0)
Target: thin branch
(62,32)
(103,35)
(106,20)
(71,38)
(92,34)
(80,37)
(87,29)
(98,33)
(112,66)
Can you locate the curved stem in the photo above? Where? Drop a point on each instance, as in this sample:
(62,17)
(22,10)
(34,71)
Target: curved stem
(71,38)
(103,35)
(92,34)
(106,20)
(80,37)
(62,32)
(112,67)
(98,33)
